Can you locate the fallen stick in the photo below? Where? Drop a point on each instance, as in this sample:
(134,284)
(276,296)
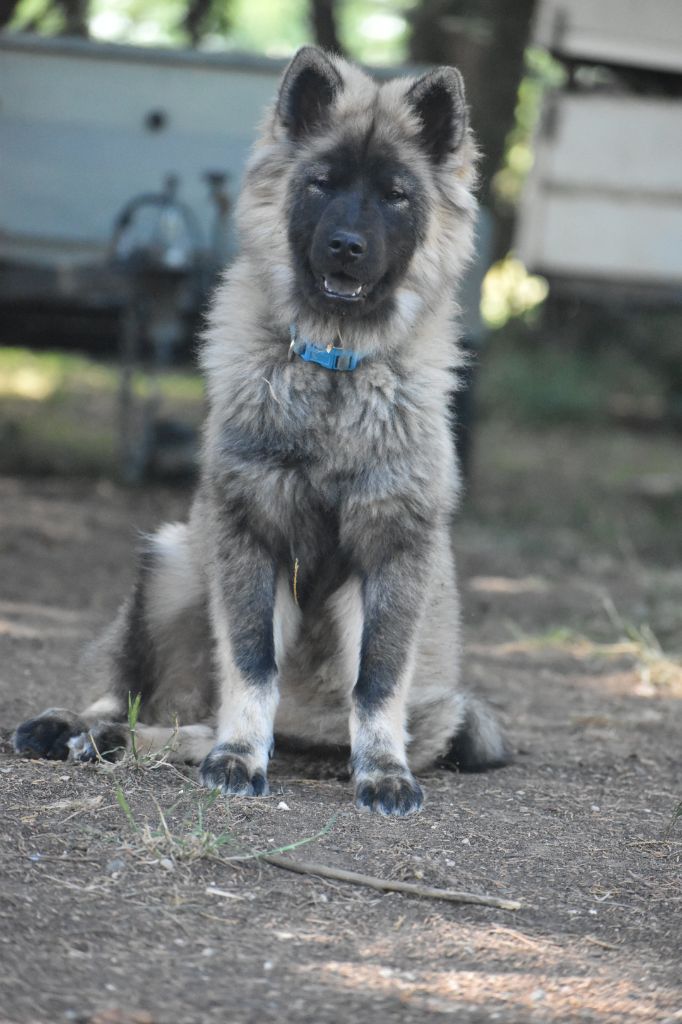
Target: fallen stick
(385,885)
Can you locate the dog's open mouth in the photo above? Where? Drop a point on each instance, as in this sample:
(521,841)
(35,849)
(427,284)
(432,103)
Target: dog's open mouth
(341,286)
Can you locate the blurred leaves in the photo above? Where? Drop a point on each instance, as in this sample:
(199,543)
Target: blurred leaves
(510,291)
(543,72)
(374,31)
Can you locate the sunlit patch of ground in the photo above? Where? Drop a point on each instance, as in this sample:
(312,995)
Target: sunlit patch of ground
(529,995)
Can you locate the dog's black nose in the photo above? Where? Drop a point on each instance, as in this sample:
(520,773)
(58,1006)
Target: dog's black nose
(348,245)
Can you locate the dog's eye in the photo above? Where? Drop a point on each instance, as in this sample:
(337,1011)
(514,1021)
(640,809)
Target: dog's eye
(320,182)
(396,195)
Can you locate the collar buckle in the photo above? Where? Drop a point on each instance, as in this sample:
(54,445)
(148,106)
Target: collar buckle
(331,357)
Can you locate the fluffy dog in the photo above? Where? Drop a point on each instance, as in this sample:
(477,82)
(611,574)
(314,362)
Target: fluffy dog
(312,592)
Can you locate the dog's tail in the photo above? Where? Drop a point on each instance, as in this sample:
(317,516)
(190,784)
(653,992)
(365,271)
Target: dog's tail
(479,744)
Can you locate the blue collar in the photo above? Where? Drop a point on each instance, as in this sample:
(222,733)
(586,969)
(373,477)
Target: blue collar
(330,357)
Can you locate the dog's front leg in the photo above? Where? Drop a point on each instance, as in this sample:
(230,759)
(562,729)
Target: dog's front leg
(241,604)
(392,599)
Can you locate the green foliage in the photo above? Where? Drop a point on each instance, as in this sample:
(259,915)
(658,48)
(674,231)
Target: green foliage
(543,73)
(535,374)
(509,291)
(133,715)
(125,807)
(192,838)
(373,31)
(38,16)
(272,27)
(543,386)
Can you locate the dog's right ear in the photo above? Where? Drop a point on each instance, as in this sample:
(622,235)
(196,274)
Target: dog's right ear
(308,89)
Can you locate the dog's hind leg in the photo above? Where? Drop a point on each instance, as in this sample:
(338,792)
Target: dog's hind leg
(448,726)
(187,744)
(118,663)
(158,646)
(50,734)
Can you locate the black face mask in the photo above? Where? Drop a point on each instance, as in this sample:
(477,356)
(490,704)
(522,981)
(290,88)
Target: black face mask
(356,219)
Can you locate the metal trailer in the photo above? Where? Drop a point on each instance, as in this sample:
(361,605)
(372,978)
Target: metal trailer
(86,126)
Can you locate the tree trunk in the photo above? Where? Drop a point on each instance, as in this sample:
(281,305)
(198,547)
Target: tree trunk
(323,19)
(486,39)
(194,18)
(75,17)
(7,9)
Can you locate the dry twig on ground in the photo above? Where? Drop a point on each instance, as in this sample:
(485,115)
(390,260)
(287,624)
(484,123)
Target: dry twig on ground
(386,885)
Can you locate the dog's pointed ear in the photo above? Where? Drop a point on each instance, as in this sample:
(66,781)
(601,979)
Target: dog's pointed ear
(308,88)
(438,100)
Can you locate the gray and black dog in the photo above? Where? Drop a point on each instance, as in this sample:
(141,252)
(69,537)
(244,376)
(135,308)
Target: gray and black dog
(312,592)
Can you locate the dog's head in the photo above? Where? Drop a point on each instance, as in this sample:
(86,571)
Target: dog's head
(373,190)
(359,199)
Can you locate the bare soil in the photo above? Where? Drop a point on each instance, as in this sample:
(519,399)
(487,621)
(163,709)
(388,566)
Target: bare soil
(120,905)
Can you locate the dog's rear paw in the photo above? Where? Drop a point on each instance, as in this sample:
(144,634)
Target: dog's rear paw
(48,735)
(390,794)
(106,741)
(228,769)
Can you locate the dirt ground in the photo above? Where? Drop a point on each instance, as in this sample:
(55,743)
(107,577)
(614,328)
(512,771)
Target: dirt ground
(120,903)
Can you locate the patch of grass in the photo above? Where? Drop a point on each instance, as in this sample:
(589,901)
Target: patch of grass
(533,487)
(43,376)
(188,841)
(533,382)
(60,411)
(54,375)
(581,369)
(658,671)
(551,386)
(192,838)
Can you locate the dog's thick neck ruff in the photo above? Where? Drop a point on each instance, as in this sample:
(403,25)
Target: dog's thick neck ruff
(330,356)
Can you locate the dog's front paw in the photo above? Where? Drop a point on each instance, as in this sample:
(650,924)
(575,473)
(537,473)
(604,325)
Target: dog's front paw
(392,793)
(48,735)
(230,769)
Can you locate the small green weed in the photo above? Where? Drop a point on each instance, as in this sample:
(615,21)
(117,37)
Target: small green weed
(133,715)
(125,807)
(193,839)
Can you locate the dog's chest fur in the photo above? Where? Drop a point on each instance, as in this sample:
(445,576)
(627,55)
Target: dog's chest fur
(330,470)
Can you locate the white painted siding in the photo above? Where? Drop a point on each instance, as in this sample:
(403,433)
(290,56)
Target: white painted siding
(604,198)
(636,33)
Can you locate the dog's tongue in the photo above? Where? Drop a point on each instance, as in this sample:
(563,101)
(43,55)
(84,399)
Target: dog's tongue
(339,284)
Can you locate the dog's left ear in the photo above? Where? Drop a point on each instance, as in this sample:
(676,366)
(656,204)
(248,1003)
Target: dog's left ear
(308,89)
(438,101)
